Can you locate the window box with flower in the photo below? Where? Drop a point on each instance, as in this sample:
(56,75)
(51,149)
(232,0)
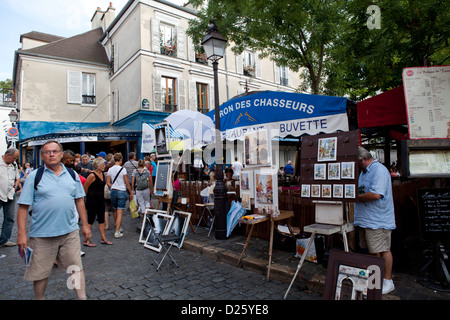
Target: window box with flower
(249,70)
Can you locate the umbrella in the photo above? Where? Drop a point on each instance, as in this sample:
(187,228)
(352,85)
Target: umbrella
(193,125)
(235,213)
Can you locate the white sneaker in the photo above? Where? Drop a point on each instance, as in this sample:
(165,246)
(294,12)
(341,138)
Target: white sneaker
(388,286)
(118,234)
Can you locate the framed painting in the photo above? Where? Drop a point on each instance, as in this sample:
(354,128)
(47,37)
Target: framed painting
(320,171)
(163,183)
(146,224)
(162,139)
(315,190)
(162,222)
(306,190)
(353,276)
(347,170)
(266,188)
(180,226)
(327,149)
(334,171)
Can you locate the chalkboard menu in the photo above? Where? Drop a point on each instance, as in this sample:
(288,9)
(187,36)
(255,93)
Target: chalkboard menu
(434,212)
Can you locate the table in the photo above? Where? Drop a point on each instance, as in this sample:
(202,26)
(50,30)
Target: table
(283,215)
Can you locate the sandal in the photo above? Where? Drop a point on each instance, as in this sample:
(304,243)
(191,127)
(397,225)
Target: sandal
(88,244)
(106,242)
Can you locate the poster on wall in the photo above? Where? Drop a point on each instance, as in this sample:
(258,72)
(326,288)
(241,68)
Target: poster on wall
(427,97)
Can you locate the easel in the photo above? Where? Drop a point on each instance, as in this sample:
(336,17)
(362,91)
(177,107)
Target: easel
(165,199)
(325,211)
(283,215)
(437,258)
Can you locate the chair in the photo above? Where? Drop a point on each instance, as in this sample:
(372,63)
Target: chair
(207,206)
(165,240)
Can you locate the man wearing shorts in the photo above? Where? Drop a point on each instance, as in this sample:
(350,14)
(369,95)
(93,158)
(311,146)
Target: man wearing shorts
(54,232)
(374,212)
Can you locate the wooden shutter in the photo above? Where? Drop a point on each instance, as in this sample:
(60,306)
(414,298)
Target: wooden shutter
(74,82)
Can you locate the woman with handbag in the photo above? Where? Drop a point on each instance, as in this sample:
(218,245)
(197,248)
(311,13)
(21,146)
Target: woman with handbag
(117,180)
(94,187)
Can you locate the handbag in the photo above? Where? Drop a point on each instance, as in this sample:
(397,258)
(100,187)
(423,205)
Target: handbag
(107,191)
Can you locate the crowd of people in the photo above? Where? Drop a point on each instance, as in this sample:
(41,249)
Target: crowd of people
(70,190)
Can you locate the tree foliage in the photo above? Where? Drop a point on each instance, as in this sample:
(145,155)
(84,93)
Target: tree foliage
(296,34)
(330,42)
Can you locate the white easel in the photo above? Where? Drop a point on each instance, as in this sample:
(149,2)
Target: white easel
(329,220)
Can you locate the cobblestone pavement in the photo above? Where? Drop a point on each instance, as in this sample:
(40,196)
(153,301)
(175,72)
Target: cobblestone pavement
(123,271)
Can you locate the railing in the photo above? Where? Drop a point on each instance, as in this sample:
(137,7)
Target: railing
(169,107)
(203,110)
(88,99)
(7,97)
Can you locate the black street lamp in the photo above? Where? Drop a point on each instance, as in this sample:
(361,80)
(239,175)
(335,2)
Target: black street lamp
(214,44)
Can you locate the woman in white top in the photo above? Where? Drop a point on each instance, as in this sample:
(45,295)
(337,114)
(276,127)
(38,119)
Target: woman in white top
(117,181)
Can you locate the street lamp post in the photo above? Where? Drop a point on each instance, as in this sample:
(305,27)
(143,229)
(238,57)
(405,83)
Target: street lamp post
(214,44)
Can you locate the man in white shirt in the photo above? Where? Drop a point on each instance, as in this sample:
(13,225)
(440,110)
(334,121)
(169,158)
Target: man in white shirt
(10,177)
(198,166)
(237,168)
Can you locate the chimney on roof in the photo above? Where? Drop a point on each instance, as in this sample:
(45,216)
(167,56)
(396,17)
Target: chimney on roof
(103,18)
(96,20)
(109,16)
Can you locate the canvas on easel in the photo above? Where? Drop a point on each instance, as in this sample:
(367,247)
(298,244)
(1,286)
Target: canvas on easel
(162,138)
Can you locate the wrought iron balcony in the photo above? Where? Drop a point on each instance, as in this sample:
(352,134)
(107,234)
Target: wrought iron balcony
(169,107)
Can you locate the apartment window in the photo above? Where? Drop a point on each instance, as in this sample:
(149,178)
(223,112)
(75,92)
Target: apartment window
(168,40)
(200,57)
(249,64)
(202,97)
(168,94)
(114,57)
(80,87)
(284,76)
(88,88)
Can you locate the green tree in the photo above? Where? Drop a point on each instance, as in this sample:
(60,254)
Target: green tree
(412,33)
(293,33)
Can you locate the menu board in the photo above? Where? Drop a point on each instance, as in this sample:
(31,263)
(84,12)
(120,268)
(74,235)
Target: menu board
(427,97)
(434,212)
(329,166)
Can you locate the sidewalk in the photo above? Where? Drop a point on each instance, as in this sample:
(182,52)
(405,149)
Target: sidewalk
(311,276)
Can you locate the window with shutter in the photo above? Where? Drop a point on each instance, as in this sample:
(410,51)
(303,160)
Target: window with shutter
(74,83)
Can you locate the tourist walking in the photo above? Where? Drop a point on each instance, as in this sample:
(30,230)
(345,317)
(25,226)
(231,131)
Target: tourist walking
(141,183)
(54,231)
(117,180)
(94,188)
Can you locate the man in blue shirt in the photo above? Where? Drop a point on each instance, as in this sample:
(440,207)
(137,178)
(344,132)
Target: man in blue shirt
(289,169)
(54,222)
(374,212)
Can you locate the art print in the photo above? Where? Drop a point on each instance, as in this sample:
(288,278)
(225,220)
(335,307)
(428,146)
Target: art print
(326,191)
(245,180)
(338,191)
(179,227)
(146,224)
(266,188)
(315,190)
(257,149)
(350,191)
(347,170)
(334,171)
(246,201)
(162,139)
(320,171)
(327,149)
(306,190)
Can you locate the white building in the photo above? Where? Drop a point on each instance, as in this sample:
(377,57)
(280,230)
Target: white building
(94,90)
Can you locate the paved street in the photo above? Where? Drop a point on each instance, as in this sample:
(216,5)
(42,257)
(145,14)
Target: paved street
(123,271)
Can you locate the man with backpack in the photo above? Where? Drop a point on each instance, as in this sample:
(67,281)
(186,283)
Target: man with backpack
(142,185)
(54,223)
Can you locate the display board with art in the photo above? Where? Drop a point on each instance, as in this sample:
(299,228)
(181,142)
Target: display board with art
(329,166)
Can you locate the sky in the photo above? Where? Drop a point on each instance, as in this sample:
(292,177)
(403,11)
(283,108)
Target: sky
(63,18)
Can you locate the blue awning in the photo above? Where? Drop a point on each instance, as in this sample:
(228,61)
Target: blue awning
(288,114)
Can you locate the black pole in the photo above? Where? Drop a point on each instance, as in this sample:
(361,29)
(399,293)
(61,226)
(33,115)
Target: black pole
(220,190)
